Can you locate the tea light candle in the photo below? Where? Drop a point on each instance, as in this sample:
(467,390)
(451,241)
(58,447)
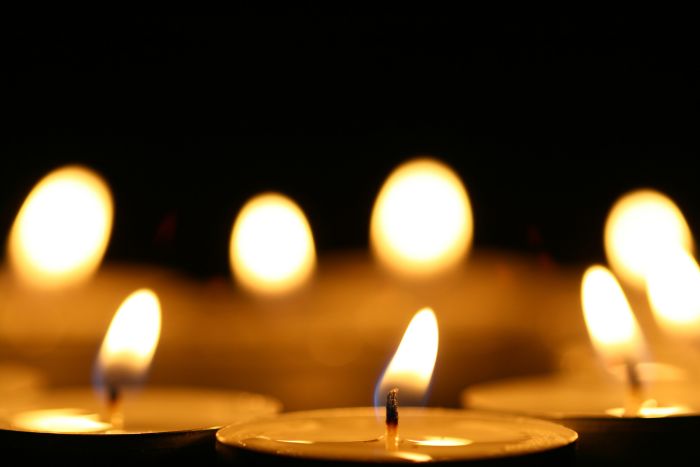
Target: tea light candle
(158,424)
(648,411)
(664,423)
(357,435)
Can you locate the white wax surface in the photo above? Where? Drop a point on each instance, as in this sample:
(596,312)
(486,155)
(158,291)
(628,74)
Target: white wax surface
(425,435)
(581,396)
(156,409)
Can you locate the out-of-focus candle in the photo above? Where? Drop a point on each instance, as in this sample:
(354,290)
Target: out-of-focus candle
(643,411)
(62,230)
(366,435)
(642,227)
(272,248)
(422,219)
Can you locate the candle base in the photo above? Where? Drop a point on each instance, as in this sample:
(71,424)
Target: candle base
(355,437)
(560,457)
(183,447)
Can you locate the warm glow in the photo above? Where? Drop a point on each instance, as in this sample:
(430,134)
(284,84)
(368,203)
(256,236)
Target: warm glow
(61,232)
(422,219)
(59,421)
(650,408)
(272,247)
(131,341)
(642,227)
(445,441)
(411,367)
(673,288)
(611,325)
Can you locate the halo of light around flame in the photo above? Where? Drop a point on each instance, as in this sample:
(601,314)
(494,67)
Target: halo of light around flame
(673,288)
(642,227)
(62,230)
(131,341)
(272,247)
(612,327)
(411,367)
(422,219)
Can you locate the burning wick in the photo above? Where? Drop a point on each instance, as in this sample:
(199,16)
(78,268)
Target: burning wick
(114,407)
(392,420)
(634,389)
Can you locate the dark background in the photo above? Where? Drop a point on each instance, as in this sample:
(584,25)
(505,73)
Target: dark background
(547,120)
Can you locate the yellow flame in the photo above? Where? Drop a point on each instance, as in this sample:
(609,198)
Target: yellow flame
(640,230)
(272,247)
(673,288)
(61,232)
(422,219)
(132,338)
(59,421)
(411,367)
(611,325)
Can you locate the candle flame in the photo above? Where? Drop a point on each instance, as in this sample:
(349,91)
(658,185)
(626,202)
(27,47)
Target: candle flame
(642,228)
(411,367)
(272,247)
(62,230)
(612,327)
(131,341)
(673,289)
(422,219)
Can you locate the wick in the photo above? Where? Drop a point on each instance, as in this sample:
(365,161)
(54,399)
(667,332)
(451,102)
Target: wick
(392,420)
(634,396)
(114,407)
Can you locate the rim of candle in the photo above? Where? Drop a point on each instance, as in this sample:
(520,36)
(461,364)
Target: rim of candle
(238,436)
(259,405)
(527,392)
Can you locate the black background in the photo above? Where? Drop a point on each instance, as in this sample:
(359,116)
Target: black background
(547,120)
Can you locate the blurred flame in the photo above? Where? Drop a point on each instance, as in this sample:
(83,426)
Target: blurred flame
(61,232)
(131,341)
(59,421)
(642,227)
(611,325)
(411,367)
(272,247)
(673,288)
(422,219)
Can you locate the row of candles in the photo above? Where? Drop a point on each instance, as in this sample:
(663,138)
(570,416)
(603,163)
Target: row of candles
(421,227)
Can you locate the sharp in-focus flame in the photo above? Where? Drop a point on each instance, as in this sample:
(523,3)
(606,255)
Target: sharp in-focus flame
(272,247)
(131,341)
(422,219)
(673,288)
(411,367)
(611,324)
(642,228)
(61,232)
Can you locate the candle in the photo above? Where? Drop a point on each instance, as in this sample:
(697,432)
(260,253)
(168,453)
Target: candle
(412,434)
(123,424)
(645,412)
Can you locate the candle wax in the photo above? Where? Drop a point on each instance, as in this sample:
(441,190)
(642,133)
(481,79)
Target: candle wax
(160,424)
(152,410)
(662,429)
(356,435)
